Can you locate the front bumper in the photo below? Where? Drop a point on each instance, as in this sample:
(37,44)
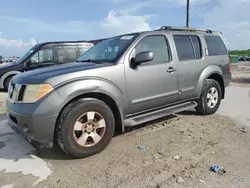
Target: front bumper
(37,121)
(39,130)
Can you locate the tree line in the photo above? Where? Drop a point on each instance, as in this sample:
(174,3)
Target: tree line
(240,52)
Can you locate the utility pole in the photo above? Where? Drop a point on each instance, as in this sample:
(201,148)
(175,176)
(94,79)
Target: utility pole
(187,14)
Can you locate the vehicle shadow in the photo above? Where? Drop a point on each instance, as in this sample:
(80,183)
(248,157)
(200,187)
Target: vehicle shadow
(57,154)
(241,80)
(189,113)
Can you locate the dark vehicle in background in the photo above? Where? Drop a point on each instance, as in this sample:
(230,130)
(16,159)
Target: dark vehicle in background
(1,59)
(244,58)
(43,55)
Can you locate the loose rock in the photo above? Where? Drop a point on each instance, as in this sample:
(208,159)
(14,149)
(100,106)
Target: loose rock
(178,157)
(201,181)
(179,180)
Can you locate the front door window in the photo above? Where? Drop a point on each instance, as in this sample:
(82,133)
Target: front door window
(42,56)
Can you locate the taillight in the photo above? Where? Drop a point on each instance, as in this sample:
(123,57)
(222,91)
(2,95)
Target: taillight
(229,64)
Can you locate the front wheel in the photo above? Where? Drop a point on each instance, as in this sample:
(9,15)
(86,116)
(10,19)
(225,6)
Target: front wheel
(85,127)
(210,98)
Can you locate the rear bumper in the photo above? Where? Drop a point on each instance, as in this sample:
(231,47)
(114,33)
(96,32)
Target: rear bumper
(227,79)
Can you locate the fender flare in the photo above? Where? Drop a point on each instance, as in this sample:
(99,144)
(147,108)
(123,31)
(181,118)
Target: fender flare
(73,89)
(7,74)
(206,73)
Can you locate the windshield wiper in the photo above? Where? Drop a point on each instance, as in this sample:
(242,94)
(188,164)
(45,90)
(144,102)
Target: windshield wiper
(89,60)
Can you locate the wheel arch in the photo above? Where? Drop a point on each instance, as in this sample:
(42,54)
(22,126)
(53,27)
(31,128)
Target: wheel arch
(6,75)
(211,72)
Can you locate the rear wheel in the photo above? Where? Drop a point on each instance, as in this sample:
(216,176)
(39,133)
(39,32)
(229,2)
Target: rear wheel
(85,127)
(210,98)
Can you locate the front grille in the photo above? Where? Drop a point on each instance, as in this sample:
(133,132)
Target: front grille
(21,93)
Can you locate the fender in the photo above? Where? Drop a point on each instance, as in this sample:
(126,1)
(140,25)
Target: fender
(7,74)
(75,88)
(206,73)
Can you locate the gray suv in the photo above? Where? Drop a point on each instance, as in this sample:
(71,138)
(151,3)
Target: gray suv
(121,82)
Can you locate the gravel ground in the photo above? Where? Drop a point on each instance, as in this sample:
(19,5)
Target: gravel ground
(179,151)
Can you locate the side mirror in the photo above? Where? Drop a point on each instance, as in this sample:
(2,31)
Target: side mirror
(142,57)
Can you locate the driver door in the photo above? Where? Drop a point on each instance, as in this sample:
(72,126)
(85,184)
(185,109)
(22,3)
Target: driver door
(152,84)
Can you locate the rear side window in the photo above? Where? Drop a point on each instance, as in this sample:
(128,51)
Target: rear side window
(83,48)
(188,47)
(215,46)
(66,55)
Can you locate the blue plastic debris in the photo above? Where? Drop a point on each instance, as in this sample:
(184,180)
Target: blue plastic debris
(143,148)
(217,169)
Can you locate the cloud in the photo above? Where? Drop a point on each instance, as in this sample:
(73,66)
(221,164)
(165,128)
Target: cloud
(115,23)
(232,18)
(14,47)
(15,43)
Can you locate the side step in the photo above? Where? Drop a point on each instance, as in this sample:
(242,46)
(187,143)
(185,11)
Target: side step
(150,116)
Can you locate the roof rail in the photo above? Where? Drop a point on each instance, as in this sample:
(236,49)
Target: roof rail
(170,28)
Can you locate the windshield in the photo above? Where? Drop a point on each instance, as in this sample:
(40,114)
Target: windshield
(22,58)
(108,50)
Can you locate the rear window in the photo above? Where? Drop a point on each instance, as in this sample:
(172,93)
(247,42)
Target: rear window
(215,46)
(188,47)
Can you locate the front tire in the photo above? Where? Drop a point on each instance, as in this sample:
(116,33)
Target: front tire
(85,127)
(210,98)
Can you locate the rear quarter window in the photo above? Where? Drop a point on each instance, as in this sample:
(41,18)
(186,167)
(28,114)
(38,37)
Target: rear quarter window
(215,46)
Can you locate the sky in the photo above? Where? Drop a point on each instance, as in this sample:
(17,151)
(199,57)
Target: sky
(25,22)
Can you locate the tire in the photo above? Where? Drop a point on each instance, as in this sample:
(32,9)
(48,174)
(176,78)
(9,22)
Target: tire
(203,105)
(67,136)
(6,82)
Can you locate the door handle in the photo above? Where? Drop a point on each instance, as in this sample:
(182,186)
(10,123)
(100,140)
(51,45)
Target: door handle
(171,69)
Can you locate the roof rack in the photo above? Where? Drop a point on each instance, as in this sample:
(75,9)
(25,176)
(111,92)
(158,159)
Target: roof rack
(170,28)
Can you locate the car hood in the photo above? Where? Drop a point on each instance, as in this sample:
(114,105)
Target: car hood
(6,65)
(40,75)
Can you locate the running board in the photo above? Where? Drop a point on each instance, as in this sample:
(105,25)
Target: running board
(150,116)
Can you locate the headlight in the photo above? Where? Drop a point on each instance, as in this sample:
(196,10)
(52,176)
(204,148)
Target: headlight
(34,92)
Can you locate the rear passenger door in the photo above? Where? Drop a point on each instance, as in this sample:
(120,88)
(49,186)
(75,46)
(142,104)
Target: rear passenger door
(66,54)
(191,63)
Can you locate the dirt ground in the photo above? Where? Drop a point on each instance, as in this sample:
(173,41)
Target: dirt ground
(198,141)
(179,152)
(176,152)
(241,74)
